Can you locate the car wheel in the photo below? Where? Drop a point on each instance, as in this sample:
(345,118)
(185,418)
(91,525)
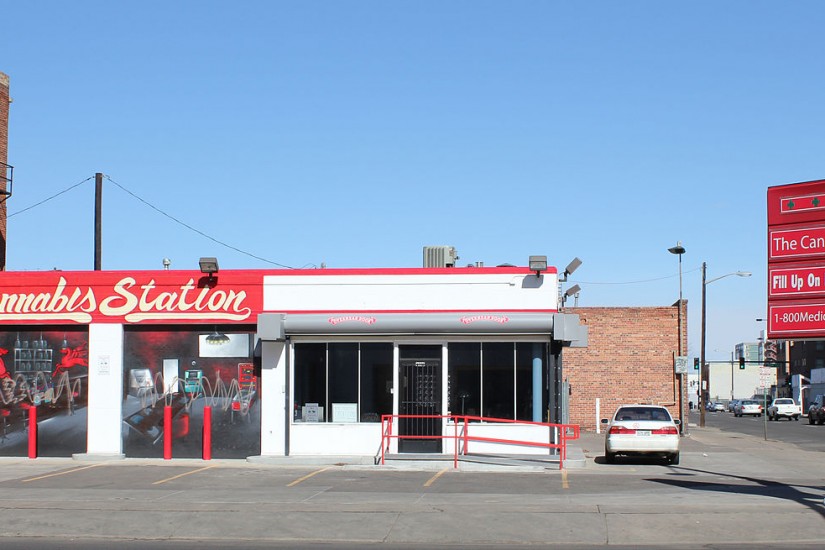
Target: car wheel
(673,458)
(810,419)
(796,417)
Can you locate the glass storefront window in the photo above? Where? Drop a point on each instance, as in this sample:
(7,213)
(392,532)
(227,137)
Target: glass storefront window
(342,382)
(494,379)
(498,375)
(465,378)
(376,381)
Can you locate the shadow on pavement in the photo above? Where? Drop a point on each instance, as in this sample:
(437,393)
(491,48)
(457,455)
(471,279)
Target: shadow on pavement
(760,487)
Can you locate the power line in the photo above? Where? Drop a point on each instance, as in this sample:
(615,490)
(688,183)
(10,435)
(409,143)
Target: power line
(50,198)
(198,231)
(639,281)
(155,208)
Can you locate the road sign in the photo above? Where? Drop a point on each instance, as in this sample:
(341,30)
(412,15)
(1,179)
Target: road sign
(681,365)
(765,378)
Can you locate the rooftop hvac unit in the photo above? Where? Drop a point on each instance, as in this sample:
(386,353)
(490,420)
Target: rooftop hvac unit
(440,256)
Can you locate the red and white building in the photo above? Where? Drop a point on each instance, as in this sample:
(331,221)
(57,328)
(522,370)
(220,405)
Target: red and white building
(290,362)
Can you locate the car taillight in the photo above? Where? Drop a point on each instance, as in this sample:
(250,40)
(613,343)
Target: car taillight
(621,430)
(668,430)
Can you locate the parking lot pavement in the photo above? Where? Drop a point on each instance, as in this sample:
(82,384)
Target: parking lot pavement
(726,490)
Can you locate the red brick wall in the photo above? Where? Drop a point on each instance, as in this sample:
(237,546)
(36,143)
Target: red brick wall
(629,359)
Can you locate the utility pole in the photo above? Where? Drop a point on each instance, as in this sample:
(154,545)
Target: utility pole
(98,215)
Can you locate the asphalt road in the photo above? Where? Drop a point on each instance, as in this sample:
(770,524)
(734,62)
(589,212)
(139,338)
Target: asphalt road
(731,490)
(799,433)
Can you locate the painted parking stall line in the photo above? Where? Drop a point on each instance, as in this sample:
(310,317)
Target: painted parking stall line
(435,477)
(63,473)
(309,475)
(162,481)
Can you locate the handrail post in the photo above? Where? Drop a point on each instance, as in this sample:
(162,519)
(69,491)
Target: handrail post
(563,449)
(455,442)
(466,437)
(383,432)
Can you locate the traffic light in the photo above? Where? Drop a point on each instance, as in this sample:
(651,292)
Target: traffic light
(695,363)
(741,362)
(770,353)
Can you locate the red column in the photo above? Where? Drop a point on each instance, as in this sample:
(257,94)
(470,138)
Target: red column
(32,432)
(207,433)
(167,432)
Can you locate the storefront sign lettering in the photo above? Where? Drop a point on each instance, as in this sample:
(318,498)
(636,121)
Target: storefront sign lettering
(353,318)
(501,319)
(127,300)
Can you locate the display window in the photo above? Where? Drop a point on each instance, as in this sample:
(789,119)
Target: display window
(342,382)
(494,379)
(188,370)
(45,372)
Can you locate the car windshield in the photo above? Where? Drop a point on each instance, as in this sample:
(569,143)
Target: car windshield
(642,413)
(784,401)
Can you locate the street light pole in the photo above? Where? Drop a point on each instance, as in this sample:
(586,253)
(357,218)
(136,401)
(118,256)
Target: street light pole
(679,250)
(703,372)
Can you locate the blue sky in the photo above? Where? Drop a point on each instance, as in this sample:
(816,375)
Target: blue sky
(355,133)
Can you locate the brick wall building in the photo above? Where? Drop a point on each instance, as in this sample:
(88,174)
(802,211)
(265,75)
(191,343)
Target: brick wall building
(629,359)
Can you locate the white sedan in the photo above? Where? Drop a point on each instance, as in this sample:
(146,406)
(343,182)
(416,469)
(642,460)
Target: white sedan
(642,430)
(748,406)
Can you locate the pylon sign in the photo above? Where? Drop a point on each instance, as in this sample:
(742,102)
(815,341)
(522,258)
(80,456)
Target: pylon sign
(796,260)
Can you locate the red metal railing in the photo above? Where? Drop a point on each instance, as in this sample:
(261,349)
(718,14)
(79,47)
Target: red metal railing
(563,433)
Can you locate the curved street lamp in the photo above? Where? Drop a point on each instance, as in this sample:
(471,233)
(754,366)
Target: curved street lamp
(703,374)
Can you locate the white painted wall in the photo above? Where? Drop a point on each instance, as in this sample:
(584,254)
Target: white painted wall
(328,438)
(273,398)
(514,432)
(470,292)
(105,389)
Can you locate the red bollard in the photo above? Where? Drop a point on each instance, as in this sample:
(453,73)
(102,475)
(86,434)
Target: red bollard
(32,432)
(167,432)
(207,433)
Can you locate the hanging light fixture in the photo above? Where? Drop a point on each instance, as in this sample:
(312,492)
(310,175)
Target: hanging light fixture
(217,338)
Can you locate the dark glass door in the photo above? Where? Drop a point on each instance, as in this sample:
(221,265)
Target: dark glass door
(420,381)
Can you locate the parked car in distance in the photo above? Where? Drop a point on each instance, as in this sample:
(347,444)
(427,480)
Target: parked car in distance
(816,410)
(642,430)
(731,404)
(747,406)
(718,407)
(784,407)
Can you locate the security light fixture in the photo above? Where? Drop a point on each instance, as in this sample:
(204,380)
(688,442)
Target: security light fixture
(538,264)
(573,290)
(571,267)
(678,249)
(167,262)
(209,265)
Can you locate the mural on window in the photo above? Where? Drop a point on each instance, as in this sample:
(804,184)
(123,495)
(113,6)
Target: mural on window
(45,373)
(342,382)
(189,370)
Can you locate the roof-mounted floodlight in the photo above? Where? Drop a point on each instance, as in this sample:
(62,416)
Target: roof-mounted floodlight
(571,267)
(209,265)
(538,264)
(575,289)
